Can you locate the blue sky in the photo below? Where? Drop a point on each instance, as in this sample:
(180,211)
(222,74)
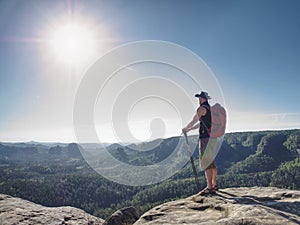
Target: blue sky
(253,48)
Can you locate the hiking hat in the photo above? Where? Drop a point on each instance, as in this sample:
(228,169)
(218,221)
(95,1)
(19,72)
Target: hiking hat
(203,94)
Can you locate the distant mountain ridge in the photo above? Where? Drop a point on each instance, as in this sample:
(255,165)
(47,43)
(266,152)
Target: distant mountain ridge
(241,149)
(38,152)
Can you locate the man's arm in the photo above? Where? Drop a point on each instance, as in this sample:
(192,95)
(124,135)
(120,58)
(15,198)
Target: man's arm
(201,111)
(191,125)
(195,127)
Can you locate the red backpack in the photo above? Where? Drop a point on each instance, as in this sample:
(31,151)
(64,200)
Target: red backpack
(218,122)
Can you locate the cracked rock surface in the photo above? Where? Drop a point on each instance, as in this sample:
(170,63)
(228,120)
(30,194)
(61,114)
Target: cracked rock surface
(231,206)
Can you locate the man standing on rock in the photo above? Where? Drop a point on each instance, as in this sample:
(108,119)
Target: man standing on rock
(203,121)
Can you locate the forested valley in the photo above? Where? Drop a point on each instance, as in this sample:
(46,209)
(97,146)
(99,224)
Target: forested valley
(58,175)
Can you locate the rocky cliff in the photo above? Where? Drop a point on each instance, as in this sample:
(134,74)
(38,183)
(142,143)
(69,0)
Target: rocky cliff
(22,212)
(232,206)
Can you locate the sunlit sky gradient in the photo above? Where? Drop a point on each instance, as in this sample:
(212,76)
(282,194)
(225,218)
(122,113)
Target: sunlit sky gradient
(252,46)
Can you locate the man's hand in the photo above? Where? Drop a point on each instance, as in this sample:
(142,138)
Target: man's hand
(184,130)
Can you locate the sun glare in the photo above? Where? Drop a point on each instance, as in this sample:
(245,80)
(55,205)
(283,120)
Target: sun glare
(73,43)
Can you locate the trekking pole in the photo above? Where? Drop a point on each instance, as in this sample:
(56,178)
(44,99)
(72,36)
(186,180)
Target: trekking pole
(192,160)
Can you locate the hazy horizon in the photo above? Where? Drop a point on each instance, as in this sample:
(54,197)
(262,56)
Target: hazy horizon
(128,143)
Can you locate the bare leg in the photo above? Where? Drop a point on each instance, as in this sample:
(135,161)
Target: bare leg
(214,176)
(209,177)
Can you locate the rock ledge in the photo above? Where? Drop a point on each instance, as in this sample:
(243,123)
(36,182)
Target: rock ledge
(231,206)
(22,212)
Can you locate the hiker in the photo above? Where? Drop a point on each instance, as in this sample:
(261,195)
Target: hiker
(202,120)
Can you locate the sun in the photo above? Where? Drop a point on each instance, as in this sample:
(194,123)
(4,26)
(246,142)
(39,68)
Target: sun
(73,43)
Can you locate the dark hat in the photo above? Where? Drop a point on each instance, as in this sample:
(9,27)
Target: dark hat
(203,94)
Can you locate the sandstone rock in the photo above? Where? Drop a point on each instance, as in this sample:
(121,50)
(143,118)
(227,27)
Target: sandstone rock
(123,216)
(22,212)
(250,206)
(231,206)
